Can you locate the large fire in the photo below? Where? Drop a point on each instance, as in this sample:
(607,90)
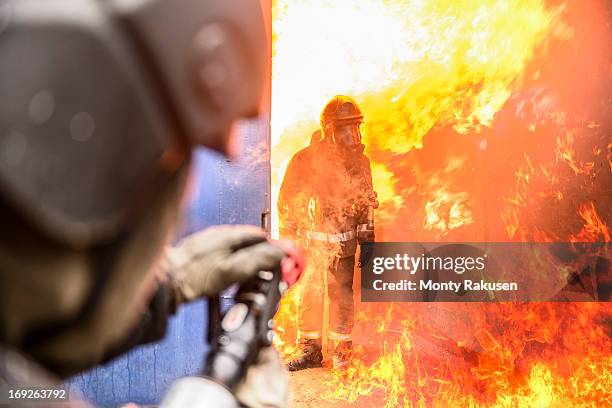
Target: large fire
(484,121)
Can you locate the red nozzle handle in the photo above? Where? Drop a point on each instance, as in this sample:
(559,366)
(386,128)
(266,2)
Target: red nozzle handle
(292,265)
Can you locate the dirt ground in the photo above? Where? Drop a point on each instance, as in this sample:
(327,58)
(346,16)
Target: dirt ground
(307,388)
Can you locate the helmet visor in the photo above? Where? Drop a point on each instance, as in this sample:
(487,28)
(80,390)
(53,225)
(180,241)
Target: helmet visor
(347,135)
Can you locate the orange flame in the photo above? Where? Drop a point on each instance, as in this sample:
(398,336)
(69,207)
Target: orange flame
(594,229)
(567,153)
(312,205)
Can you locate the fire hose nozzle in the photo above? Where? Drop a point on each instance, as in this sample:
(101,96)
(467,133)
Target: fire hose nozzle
(247,325)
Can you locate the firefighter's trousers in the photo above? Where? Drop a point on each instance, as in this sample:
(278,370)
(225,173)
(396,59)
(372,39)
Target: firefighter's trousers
(333,263)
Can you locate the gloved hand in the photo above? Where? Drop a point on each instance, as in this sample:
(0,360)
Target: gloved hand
(365,255)
(209,261)
(265,383)
(366,236)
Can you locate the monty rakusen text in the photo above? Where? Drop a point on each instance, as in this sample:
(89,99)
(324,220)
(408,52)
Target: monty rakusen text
(410,265)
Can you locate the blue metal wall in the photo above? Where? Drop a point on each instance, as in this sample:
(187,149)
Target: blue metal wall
(221,192)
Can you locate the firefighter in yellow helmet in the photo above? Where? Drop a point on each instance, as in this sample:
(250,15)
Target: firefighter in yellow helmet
(326,203)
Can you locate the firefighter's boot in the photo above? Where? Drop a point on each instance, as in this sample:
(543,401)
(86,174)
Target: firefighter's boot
(341,353)
(311,357)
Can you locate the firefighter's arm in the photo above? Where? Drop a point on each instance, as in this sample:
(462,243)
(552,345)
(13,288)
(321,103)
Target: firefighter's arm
(204,263)
(151,326)
(289,190)
(369,202)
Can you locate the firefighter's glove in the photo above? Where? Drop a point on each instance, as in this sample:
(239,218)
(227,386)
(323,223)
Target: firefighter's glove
(265,383)
(209,261)
(366,236)
(365,254)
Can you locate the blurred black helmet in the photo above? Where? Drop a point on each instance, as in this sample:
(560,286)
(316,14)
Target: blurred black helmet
(102,102)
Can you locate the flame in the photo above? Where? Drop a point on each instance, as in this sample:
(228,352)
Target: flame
(566,152)
(389,199)
(446,209)
(594,229)
(507,357)
(474,132)
(312,206)
(535,184)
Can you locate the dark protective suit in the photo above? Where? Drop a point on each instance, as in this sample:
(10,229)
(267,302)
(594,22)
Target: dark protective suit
(325,204)
(151,328)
